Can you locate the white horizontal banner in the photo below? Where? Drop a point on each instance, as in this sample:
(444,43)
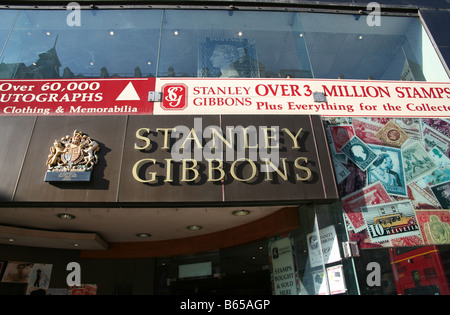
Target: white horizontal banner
(334,98)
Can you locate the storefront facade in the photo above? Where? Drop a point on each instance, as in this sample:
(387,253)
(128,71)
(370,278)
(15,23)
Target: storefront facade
(324,129)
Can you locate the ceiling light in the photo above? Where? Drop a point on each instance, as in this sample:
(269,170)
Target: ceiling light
(65,216)
(360,37)
(241,212)
(194,227)
(111,33)
(143,235)
(175,33)
(240,33)
(11,240)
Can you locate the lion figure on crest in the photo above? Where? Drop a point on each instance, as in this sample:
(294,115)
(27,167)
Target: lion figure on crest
(73,153)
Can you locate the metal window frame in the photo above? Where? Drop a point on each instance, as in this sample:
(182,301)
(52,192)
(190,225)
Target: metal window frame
(386,10)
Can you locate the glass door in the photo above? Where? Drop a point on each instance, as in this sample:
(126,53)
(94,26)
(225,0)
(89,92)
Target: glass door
(310,260)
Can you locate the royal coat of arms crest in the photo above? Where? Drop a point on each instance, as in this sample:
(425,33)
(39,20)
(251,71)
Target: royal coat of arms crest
(72,158)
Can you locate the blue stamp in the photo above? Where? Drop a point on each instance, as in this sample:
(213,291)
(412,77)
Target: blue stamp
(388,170)
(359,152)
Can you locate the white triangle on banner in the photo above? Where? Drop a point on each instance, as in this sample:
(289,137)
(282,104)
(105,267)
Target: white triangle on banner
(128,94)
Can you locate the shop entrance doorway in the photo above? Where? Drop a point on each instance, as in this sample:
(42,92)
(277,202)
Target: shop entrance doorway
(241,270)
(252,283)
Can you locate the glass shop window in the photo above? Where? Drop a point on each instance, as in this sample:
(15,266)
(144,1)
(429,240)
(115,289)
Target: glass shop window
(108,43)
(40,44)
(344,46)
(229,44)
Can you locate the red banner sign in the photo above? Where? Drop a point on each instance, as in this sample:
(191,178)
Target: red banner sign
(76,97)
(209,96)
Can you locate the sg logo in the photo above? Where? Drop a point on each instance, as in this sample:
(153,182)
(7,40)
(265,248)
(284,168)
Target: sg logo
(175,96)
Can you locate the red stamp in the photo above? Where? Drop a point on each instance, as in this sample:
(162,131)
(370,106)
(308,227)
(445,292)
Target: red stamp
(371,195)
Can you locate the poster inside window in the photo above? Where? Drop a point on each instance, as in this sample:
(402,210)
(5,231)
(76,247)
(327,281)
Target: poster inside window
(393,176)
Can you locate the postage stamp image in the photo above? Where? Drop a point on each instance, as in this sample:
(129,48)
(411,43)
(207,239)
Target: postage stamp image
(359,152)
(439,157)
(340,171)
(439,125)
(395,220)
(414,240)
(388,169)
(417,161)
(392,135)
(435,226)
(442,193)
(370,195)
(340,135)
(433,138)
(438,176)
(412,126)
(421,198)
(366,130)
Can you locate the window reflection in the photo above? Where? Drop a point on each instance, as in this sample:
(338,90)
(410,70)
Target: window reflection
(344,46)
(229,59)
(214,43)
(107,44)
(232,44)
